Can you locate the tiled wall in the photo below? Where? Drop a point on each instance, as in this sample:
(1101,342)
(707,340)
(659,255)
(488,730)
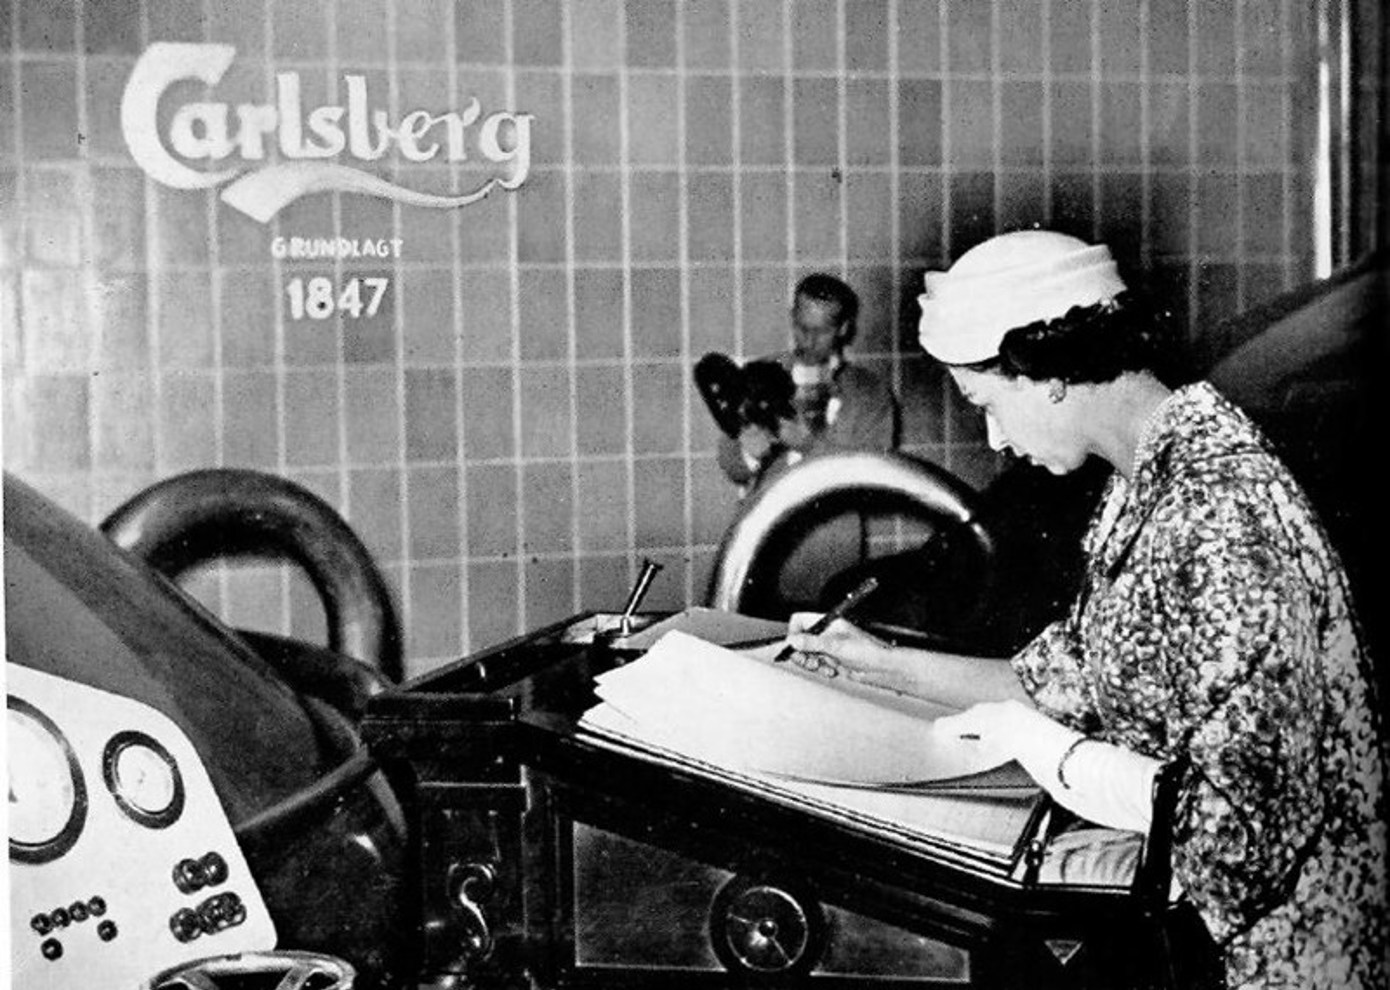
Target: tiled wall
(515,430)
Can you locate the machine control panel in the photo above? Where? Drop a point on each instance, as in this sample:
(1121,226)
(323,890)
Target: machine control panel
(122,861)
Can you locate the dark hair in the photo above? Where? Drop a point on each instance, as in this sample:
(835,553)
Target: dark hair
(1090,345)
(829,289)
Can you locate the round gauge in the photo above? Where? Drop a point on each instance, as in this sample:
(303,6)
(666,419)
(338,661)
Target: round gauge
(48,799)
(143,778)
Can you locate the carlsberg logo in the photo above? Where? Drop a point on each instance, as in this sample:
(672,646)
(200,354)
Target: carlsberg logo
(312,143)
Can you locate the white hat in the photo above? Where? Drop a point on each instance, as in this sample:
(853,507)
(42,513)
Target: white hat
(1010,281)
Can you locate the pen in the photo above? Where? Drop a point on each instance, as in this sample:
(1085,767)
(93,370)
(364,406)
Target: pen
(865,588)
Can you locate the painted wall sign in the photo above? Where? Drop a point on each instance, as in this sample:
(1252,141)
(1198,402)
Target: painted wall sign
(312,143)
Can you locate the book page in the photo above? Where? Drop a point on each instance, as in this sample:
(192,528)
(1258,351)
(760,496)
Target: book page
(741,711)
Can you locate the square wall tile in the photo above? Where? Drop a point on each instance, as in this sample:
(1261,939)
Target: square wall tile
(493,603)
(1265,130)
(431,414)
(187,418)
(972,209)
(762,119)
(1216,38)
(1121,141)
(485,315)
(251,418)
(870,232)
(185,326)
(766,312)
(1074,204)
(866,35)
(711,296)
(1019,38)
(487,413)
(603,506)
(247,300)
(599,309)
(651,33)
(299,30)
(598,218)
(969,36)
(485,230)
(919,122)
(656,312)
(60,417)
(654,224)
(710,217)
(868,119)
(430,331)
(1021,124)
(118,307)
(537,32)
(1170,230)
(659,495)
(372,338)
(920,210)
(1169,37)
(713,501)
(1121,216)
(657,425)
(1170,140)
(540,226)
(653,114)
(1217,132)
(256,598)
(546,420)
(104,86)
(55,326)
(45,27)
(423,36)
(596,119)
(705,33)
(763,217)
(124,421)
(376,504)
(1262,214)
(543,297)
(919,34)
(436,614)
(1121,43)
(181,234)
(550,592)
(480,31)
(815,116)
(433,512)
(815,31)
(761,31)
(596,34)
(311,418)
(709,129)
(371,410)
(492,499)
(877,310)
(1261,43)
(817,220)
(547,493)
(1218,206)
(604,582)
(53,217)
(1071,123)
(48,104)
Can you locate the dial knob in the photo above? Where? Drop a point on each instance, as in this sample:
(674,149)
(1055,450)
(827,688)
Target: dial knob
(762,928)
(143,778)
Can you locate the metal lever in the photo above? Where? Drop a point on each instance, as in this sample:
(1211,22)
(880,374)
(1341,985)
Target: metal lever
(639,591)
(470,884)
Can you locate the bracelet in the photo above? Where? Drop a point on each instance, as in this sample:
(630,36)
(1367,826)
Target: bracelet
(1066,755)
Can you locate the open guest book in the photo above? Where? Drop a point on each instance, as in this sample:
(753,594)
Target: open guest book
(839,748)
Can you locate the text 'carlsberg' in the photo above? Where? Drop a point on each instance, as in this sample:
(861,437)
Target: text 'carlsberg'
(309,144)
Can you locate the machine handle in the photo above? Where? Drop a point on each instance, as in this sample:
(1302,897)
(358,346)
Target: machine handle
(470,884)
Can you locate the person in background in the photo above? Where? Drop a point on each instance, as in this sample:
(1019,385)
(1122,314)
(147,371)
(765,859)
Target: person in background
(837,405)
(1214,636)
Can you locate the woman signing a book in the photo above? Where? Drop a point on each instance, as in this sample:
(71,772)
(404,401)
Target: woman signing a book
(1214,631)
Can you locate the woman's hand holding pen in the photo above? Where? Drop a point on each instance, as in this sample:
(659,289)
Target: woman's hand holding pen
(843,649)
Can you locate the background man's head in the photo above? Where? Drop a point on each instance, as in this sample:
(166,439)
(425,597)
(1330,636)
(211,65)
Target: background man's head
(823,314)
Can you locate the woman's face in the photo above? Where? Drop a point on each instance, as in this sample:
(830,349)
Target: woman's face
(1020,417)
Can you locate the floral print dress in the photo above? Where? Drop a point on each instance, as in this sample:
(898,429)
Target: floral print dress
(1216,627)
